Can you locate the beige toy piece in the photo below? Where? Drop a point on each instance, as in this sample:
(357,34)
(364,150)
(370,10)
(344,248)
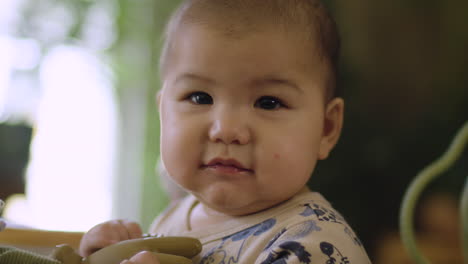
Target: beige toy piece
(169,250)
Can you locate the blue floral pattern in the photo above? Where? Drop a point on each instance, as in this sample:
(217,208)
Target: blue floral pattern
(286,244)
(334,255)
(220,254)
(288,248)
(322,213)
(310,232)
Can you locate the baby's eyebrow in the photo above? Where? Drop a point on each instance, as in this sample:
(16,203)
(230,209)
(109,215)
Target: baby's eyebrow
(262,82)
(193,77)
(273,81)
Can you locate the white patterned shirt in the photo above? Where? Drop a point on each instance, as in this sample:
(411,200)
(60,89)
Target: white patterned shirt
(304,229)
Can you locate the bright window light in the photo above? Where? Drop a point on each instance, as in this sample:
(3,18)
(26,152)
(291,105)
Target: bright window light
(5,67)
(69,179)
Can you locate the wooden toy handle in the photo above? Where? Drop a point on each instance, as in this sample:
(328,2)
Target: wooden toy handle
(169,250)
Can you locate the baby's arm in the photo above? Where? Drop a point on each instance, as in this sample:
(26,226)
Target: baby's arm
(108,233)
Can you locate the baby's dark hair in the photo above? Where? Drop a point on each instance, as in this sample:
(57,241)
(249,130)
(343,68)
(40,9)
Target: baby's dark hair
(235,18)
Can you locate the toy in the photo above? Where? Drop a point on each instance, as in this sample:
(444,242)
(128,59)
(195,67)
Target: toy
(417,186)
(169,250)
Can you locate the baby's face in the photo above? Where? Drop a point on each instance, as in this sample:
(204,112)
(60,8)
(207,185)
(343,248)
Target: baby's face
(242,120)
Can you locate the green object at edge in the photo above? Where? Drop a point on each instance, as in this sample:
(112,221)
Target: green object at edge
(417,186)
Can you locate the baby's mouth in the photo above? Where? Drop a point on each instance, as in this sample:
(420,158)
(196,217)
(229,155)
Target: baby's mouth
(226,166)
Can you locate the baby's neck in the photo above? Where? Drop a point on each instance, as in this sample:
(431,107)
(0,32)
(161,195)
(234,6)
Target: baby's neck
(202,217)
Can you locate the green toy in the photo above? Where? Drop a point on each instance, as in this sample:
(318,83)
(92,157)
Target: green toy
(10,255)
(417,186)
(169,250)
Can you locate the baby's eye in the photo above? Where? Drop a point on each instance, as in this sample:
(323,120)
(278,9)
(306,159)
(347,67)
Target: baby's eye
(269,103)
(200,98)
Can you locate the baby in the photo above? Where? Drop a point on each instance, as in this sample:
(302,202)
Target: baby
(248,106)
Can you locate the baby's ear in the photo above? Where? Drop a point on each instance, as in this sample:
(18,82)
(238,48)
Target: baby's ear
(333,123)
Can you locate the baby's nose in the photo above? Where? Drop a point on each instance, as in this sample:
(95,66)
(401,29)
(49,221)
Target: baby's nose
(230,128)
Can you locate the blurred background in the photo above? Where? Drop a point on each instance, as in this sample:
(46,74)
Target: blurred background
(79,133)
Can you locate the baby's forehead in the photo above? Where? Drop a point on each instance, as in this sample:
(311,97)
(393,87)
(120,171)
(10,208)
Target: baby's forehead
(291,43)
(246,17)
(268,48)
(307,21)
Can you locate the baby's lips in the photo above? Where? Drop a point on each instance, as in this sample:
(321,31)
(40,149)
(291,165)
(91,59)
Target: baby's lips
(227,168)
(227,163)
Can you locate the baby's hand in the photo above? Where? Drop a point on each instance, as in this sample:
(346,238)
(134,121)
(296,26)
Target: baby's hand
(108,233)
(144,257)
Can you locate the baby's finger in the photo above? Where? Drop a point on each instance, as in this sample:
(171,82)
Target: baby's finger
(92,242)
(102,235)
(133,229)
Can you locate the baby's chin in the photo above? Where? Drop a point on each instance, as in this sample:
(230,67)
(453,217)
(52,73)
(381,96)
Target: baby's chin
(236,202)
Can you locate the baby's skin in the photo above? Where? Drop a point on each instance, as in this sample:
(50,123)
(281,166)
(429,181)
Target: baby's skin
(115,231)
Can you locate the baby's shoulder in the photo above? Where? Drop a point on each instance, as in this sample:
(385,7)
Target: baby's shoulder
(310,206)
(315,228)
(314,215)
